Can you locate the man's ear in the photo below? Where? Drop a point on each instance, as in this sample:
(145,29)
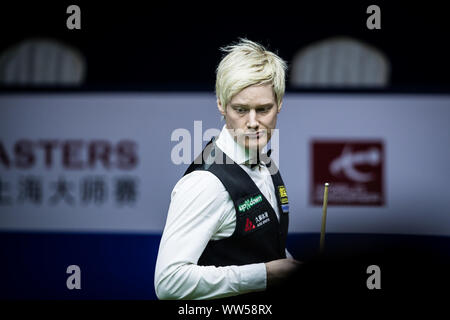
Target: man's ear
(221,108)
(279,107)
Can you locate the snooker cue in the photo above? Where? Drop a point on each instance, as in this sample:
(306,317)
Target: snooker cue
(324,217)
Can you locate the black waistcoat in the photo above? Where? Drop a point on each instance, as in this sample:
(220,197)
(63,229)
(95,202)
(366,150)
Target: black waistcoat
(258,235)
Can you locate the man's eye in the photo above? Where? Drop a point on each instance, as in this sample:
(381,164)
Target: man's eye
(240,110)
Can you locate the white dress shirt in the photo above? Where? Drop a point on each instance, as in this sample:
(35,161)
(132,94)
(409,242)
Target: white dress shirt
(202,210)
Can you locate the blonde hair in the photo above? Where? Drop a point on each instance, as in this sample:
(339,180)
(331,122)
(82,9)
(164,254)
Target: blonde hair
(248,63)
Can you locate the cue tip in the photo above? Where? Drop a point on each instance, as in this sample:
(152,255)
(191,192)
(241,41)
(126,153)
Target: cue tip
(326,184)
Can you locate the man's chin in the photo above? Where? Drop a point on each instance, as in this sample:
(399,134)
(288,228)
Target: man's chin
(252,144)
(255,145)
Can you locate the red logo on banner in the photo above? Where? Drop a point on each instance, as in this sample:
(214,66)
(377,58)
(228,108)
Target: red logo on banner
(249,225)
(354,170)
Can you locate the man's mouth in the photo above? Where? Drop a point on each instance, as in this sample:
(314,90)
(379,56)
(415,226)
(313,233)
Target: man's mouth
(254,135)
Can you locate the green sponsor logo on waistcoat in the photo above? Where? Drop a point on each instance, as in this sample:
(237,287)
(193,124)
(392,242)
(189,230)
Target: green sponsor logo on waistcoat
(249,203)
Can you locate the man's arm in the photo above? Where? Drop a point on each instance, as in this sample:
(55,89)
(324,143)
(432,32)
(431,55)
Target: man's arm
(281,270)
(198,206)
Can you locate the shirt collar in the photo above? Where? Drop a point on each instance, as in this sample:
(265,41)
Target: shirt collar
(234,150)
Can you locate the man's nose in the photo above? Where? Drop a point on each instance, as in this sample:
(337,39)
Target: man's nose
(252,122)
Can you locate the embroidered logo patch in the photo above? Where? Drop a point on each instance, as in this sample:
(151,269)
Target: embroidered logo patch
(249,203)
(259,221)
(249,225)
(283,195)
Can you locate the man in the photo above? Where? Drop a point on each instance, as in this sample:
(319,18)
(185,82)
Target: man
(227,224)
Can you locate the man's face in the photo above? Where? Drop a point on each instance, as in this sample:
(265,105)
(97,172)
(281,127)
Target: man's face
(252,114)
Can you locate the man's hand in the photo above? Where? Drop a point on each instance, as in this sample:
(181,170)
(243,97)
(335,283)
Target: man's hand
(279,271)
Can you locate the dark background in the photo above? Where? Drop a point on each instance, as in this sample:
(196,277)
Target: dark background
(133,45)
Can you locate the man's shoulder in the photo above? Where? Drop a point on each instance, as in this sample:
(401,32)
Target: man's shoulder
(199,181)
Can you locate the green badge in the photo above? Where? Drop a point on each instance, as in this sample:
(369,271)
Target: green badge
(249,203)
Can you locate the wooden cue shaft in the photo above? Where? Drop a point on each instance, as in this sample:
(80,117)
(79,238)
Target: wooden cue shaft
(324,217)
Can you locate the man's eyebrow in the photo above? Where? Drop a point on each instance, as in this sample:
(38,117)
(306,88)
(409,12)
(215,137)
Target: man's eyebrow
(265,105)
(236,105)
(239,105)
